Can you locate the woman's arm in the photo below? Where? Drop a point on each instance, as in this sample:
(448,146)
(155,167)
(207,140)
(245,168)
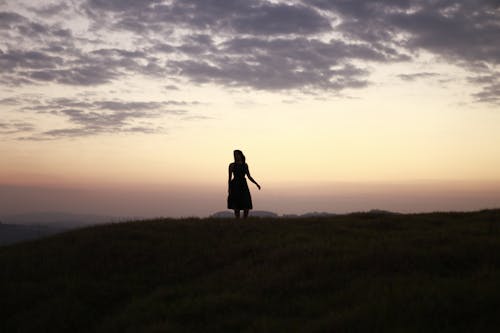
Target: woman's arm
(230,169)
(251,179)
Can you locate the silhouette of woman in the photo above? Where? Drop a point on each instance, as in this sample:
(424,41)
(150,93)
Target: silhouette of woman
(239,195)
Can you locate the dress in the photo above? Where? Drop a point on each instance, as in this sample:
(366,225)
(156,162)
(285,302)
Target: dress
(239,194)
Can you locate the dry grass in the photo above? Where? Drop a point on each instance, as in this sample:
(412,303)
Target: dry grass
(357,273)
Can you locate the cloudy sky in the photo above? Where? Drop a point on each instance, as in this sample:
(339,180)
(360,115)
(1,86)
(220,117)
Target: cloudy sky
(134,106)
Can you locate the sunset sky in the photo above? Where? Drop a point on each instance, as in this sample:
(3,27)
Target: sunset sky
(134,107)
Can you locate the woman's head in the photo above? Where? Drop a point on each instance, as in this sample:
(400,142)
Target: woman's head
(238,156)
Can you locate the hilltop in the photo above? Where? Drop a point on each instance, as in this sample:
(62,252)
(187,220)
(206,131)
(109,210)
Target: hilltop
(361,272)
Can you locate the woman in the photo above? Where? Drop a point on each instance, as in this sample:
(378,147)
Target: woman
(239,195)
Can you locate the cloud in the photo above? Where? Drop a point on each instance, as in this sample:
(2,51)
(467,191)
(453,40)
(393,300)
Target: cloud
(99,122)
(284,63)
(465,33)
(237,16)
(195,56)
(317,45)
(489,94)
(485,79)
(261,45)
(88,117)
(277,19)
(19,28)
(81,76)
(10,101)
(86,69)
(8,19)
(61,57)
(415,76)
(105,105)
(461,30)
(52,9)
(120,5)
(490,88)
(171,87)
(15,127)
(12,60)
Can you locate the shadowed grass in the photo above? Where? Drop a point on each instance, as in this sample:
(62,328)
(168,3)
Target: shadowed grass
(360,272)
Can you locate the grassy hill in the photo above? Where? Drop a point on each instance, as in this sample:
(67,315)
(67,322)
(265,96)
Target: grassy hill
(350,273)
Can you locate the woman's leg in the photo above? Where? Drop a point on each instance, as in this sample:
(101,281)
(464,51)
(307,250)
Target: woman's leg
(237,213)
(245,213)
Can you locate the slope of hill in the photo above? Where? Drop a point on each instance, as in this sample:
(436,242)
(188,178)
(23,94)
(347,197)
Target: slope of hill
(12,233)
(358,273)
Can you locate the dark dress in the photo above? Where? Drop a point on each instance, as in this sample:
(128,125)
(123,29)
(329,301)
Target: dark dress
(239,194)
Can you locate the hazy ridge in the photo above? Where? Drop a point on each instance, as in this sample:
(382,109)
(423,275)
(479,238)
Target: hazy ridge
(27,226)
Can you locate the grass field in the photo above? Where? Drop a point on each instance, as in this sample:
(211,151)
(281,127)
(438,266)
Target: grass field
(436,272)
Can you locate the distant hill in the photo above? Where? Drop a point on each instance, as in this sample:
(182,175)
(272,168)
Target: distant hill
(12,233)
(29,226)
(58,219)
(310,214)
(264,213)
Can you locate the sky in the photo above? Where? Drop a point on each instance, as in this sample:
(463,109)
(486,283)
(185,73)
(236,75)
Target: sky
(125,107)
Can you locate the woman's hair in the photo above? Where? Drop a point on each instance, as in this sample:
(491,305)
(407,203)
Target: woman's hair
(239,152)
